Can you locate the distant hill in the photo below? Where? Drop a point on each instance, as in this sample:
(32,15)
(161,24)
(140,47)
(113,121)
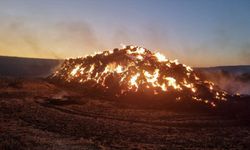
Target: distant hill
(240,69)
(26,67)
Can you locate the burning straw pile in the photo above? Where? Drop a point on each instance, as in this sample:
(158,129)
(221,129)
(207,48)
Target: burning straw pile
(137,71)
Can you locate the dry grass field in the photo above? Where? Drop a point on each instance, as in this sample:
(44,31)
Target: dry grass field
(35,114)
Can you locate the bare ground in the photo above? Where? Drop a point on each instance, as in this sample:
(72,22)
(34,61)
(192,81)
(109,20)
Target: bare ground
(35,114)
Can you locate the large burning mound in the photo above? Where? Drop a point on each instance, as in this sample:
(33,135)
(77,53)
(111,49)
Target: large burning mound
(137,71)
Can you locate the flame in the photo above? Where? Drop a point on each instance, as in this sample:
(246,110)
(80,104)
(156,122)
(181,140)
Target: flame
(133,80)
(160,57)
(172,82)
(135,69)
(74,71)
(118,69)
(152,79)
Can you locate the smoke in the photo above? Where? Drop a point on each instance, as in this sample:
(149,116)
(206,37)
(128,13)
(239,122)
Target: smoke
(122,34)
(16,37)
(78,35)
(151,35)
(60,40)
(22,37)
(60,95)
(244,53)
(232,82)
(57,40)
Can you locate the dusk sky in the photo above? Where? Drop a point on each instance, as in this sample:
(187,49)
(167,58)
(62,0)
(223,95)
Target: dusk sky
(196,32)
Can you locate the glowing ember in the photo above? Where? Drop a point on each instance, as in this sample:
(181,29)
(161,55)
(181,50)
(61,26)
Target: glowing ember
(74,71)
(135,69)
(160,57)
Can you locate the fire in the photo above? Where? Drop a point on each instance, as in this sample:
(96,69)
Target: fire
(133,80)
(160,57)
(172,82)
(136,69)
(118,69)
(152,79)
(74,71)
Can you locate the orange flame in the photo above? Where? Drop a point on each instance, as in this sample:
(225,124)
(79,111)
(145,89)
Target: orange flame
(137,68)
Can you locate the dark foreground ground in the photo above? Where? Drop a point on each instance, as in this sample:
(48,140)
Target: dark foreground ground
(35,114)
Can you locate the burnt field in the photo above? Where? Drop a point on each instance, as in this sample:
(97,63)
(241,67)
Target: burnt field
(36,114)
